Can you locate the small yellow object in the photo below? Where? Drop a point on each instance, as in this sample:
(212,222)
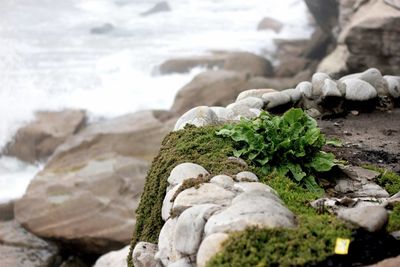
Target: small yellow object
(342,246)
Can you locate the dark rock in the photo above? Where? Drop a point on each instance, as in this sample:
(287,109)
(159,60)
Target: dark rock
(7,211)
(325,13)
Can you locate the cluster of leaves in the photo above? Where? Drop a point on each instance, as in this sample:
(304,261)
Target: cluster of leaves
(288,145)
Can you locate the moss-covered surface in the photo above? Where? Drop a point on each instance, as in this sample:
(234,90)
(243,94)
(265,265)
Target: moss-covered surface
(394,219)
(387,179)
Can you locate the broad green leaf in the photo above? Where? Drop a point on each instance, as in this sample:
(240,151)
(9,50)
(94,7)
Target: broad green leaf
(296,171)
(312,185)
(334,142)
(323,162)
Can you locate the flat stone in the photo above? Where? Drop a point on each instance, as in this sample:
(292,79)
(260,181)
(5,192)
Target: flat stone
(275,99)
(185,171)
(189,228)
(207,193)
(167,253)
(371,218)
(210,246)
(223,114)
(305,88)
(253,186)
(359,174)
(393,83)
(246,177)
(359,90)
(251,102)
(253,93)
(363,188)
(222,180)
(330,89)
(198,116)
(167,203)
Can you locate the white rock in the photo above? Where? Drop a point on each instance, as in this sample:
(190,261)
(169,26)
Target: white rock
(184,262)
(223,114)
(256,111)
(246,177)
(167,253)
(372,76)
(167,204)
(189,228)
(142,256)
(251,102)
(371,218)
(222,180)
(241,111)
(294,94)
(253,93)
(210,246)
(117,259)
(207,193)
(330,89)
(251,186)
(257,195)
(393,83)
(185,171)
(305,88)
(317,81)
(275,99)
(198,116)
(358,90)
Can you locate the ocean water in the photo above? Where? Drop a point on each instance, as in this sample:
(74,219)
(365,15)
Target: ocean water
(50,60)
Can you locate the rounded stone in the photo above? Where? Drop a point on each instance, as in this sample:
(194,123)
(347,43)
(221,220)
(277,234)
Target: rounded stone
(246,177)
(222,180)
(198,116)
(294,94)
(223,114)
(393,83)
(275,99)
(371,218)
(185,171)
(305,88)
(210,246)
(317,81)
(359,90)
(253,93)
(251,102)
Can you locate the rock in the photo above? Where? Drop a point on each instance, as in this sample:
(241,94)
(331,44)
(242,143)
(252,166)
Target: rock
(198,116)
(275,99)
(184,262)
(270,24)
(224,115)
(257,93)
(391,262)
(103,29)
(248,63)
(250,209)
(393,3)
(251,102)
(143,255)
(246,177)
(359,174)
(324,12)
(238,161)
(167,253)
(189,228)
(210,88)
(167,203)
(185,171)
(73,261)
(294,94)
(314,113)
(157,8)
(210,246)
(371,218)
(206,193)
(393,83)
(371,76)
(278,83)
(7,211)
(182,65)
(305,88)
(19,248)
(330,89)
(88,206)
(38,140)
(254,186)
(363,188)
(318,80)
(116,259)
(242,111)
(358,90)
(289,66)
(334,64)
(223,181)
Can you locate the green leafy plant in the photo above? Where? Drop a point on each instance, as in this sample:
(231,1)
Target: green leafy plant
(288,145)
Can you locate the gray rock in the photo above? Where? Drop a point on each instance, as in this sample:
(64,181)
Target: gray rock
(189,228)
(371,218)
(270,24)
(371,76)
(206,194)
(330,89)
(167,204)
(275,99)
(253,93)
(185,171)
(313,112)
(393,83)
(294,94)
(252,186)
(251,102)
(362,188)
(246,177)
(318,80)
(167,253)
(223,114)
(184,262)
(393,3)
(242,111)
(359,90)
(143,255)
(358,173)
(305,88)
(210,246)
(250,209)
(222,180)
(198,116)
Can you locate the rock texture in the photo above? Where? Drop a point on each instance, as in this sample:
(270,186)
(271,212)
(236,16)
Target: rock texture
(115,259)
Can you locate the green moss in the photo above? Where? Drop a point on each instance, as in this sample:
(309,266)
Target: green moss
(196,145)
(387,179)
(312,241)
(394,219)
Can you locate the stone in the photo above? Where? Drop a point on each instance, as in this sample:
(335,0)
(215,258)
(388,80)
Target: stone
(242,111)
(359,90)
(358,173)
(167,253)
(393,83)
(289,65)
(248,63)
(7,211)
(251,102)
(314,113)
(318,81)
(362,188)
(330,89)
(324,12)
(275,99)
(19,248)
(185,171)
(143,255)
(391,262)
(270,24)
(167,203)
(224,115)
(206,193)
(88,206)
(278,83)
(198,116)
(184,262)
(117,259)
(305,88)
(157,8)
(371,218)
(254,186)
(185,64)
(393,3)
(39,139)
(334,64)
(294,94)
(222,180)
(189,228)
(372,76)
(210,246)
(246,177)
(250,209)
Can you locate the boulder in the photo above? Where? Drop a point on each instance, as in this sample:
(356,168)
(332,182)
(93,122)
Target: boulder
(7,211)
(246,177)
(116,259)
(270,24)
(143,255)
(371,218)
(224,115)
(223,181)
(335,64)
(89,206)
(289,66)
(198,116)
(393,83)
(330,89)
(185,171)
(210,246)
(248,63)
(305,88)
(19,248)
(325,13)
(318,80)
(359,90)
(243,111)
(39,138)
(182,65)
(251,102)
(157,8)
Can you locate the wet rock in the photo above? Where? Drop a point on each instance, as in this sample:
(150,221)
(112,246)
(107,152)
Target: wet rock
(251,102)
(167,253)
(275,99)
(393,83)
(210,246)
(185,171)
(117,259)
(143,255)
(157,8)
(246,177)
(371,218)
(358,90)
(270,24)
(198,116)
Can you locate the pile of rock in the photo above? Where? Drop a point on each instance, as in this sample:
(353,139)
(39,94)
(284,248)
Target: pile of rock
(197,219)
